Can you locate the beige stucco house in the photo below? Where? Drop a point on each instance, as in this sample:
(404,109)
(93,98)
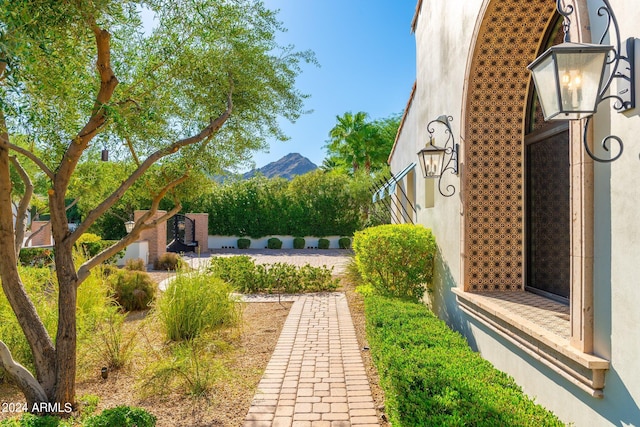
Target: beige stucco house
(539,245)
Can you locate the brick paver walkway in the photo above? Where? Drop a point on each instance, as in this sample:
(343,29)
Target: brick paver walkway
(316,376)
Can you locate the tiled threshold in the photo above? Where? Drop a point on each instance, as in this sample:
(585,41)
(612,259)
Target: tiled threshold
(539,327)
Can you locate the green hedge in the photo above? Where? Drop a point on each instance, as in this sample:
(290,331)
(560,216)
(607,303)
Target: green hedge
(431,377)
(396,259)
(248,277)
(314,204)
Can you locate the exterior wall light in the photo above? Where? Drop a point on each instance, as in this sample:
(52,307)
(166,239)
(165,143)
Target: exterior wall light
(571,78)
(435,161)
(128,225)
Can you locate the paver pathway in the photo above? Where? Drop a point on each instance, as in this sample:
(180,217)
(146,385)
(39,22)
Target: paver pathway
(316,376)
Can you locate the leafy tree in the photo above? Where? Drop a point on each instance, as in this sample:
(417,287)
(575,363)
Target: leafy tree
(357,143)
(199,92)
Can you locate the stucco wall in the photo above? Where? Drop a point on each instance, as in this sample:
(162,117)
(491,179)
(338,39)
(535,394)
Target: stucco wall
(443,38)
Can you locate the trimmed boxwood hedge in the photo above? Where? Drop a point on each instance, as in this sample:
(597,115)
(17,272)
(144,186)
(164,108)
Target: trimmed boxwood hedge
(274,243)
(323,243)
(298,243)
(431,377)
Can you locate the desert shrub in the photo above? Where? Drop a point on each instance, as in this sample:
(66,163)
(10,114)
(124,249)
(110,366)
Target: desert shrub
(40,285)
(192,367)
(323,243)
(396,259)
(246,276)
(195,303)
(344,243)
(115,348)
(274,243)
(168,261)
(36,257)
(136,264)
(122,416)
(94,304)
(239,271)
(431,377)
(298,243)
(31,420)
(243,243)
(133,290)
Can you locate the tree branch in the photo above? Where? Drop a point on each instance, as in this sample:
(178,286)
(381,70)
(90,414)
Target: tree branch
(27,383)
(23,206)
(141,225)
(35,159)
(213,126)
(108,83)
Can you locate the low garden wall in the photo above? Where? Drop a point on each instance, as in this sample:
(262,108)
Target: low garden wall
(231,242)
(139,249)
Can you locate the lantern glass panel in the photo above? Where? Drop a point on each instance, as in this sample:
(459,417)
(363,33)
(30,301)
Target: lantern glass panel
(544,76)
(580,75)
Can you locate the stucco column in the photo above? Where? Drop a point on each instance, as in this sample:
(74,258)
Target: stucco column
(202,230)
(157,237)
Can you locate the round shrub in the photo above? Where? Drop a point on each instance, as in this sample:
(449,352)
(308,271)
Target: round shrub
(132,290)
(135,264)
(298,243)
(244,243)
(323,244)
(344,243)
(396,259)
(168,262)
(274,243)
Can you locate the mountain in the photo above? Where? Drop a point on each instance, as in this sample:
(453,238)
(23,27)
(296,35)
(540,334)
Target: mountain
(287,167)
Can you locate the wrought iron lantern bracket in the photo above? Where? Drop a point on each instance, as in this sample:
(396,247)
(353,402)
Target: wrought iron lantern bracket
(449,154)
(621,63)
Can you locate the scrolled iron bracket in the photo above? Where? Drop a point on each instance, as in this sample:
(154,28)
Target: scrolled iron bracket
(621,63)
(451,148)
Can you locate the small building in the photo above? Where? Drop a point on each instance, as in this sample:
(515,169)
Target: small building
(538,260)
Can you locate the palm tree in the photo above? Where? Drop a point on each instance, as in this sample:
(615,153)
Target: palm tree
(362,144)
(348,139)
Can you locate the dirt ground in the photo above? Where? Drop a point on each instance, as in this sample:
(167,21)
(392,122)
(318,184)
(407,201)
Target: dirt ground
(228,402)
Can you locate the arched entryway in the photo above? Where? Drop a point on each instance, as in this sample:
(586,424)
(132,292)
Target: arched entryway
(505,144)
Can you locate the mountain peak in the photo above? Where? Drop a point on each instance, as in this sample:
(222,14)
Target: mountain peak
(287,167)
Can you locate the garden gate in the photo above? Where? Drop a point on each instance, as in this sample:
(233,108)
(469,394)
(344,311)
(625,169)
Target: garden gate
(181,232)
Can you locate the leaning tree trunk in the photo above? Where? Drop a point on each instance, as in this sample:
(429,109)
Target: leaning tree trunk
(39,341)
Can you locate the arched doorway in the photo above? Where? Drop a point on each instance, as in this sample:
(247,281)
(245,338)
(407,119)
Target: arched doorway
(498,114)
(507,40)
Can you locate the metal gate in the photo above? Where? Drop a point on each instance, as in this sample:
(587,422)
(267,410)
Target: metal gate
(181,233)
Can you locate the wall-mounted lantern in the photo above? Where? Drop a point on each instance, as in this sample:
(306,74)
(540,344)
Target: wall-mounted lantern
(128,225)
(435,161)
(572,78)
(569,78)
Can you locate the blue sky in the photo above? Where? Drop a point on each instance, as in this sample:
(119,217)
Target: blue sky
(367,63)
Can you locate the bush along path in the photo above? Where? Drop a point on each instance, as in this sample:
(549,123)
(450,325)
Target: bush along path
(431,377)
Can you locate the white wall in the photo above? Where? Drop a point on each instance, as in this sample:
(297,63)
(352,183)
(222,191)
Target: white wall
(443,38)
(219,242)
(139,249)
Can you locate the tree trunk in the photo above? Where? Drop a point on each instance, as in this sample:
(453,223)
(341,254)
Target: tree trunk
(67,299)
(39,341)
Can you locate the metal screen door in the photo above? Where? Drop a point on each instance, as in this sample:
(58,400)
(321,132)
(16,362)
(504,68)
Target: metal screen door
(548,212)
